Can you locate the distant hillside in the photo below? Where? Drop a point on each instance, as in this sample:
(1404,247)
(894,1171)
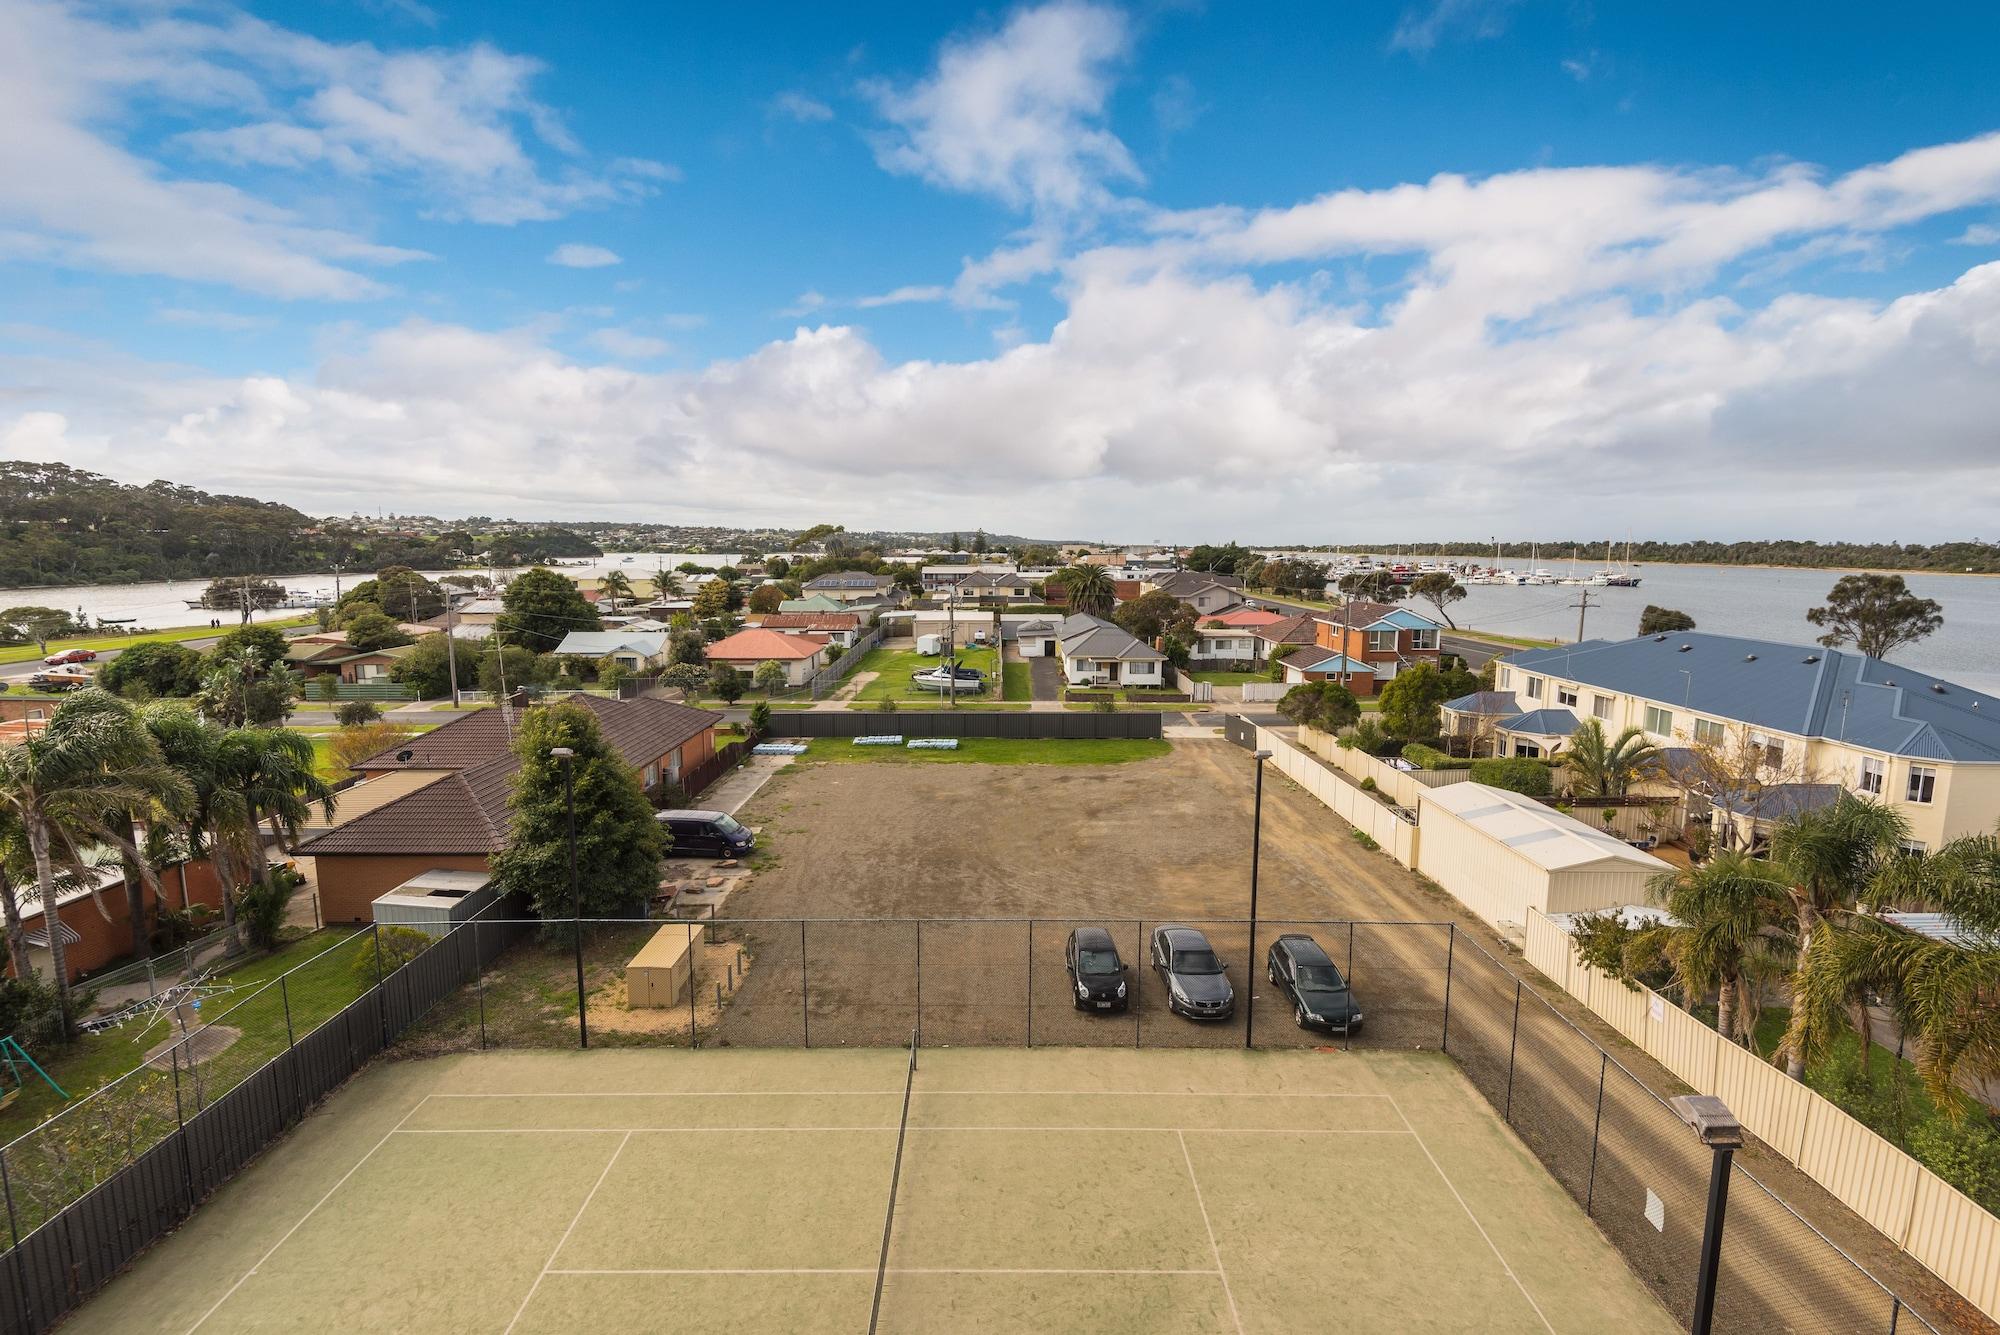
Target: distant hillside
(1942,557)
(61,525)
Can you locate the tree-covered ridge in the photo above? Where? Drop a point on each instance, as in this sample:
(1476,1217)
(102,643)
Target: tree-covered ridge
(62,525)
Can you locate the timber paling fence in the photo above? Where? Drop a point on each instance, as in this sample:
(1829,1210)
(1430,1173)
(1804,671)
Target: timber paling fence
(1019,725)
(85,1198)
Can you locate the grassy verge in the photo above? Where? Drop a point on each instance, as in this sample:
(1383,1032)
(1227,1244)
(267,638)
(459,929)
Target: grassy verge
(1511,641)
(30,653)
(1220,678)
(996,751)
(1016,682)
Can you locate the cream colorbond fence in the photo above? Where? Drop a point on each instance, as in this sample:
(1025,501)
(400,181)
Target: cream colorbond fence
(1397,837)
(1938,1225)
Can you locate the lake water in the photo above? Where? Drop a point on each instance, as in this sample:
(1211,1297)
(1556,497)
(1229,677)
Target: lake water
(1730,600)
(1740,600)
(162,604)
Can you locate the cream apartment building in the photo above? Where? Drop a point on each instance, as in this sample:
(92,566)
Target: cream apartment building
(1816,720)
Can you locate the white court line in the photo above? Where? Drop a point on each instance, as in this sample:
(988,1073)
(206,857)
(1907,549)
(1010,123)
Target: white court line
(894,1270)
(1165,1093)
(1453,1188)
(1072,1130)
(245,1278)
(1213,1249)
(564,1239)
(682,1094)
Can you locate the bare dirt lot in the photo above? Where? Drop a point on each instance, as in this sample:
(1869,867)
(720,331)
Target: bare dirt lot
(1120,846)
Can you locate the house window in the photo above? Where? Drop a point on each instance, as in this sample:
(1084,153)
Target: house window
(1659,722)
(1923,783)
(1772,749)
(1565,696)
(1382,641)
(1708,732)
(652,776)
(1910,848)
(674,766)
(1600,707)
(1532,688)
(35,714)
(1423,641)
(1506,679)
(1528,749)
(1872,775)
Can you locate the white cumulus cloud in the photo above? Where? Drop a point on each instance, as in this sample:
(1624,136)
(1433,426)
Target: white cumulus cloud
(577,255)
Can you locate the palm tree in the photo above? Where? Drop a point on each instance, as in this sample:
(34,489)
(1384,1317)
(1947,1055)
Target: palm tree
(270,772)
(666,583)
(1945,993)
(1726,933)
(67,783)
(616,587)
(1602,767)
(1090,588)
(1828,856)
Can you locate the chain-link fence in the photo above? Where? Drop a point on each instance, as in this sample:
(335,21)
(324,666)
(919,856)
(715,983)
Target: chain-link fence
(88,1190)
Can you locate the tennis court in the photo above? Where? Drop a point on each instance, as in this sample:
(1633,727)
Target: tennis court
(1154,1191)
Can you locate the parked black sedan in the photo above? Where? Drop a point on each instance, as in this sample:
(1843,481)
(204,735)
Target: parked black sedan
(1321,998)
(1096,974)
(1197,987)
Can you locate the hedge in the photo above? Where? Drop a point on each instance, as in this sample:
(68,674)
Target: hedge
(1517,773)
(1429,757)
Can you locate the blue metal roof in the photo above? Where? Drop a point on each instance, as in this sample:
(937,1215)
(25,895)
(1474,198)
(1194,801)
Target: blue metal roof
(1403,619)
(1541,722)
(1484,702)
(1804,690)
(1331,663)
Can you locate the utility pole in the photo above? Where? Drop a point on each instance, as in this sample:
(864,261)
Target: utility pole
(1582,611)
(450,647)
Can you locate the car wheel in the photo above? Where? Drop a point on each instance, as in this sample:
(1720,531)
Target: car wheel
(1299,1015)
(1271,972)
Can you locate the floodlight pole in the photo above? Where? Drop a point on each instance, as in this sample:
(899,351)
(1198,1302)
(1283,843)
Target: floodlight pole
(1256,842)
(566,757)
(1718,1128)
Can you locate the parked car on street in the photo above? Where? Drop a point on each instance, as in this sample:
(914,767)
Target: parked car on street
(1197,985)
(62,656)
(59,679)
(1321,998)
(1096,974)
(706,834)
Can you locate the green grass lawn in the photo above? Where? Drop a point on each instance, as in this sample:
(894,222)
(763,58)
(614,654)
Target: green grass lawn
(1511,641)
(894,666)
(996,751)
(95,1060)
(1220,678)
(29,653)
(1017,682)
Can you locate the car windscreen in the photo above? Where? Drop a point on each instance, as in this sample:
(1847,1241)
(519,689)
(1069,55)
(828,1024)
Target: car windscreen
(1196,961)
(728,824)
(1096,961)
(1324,977)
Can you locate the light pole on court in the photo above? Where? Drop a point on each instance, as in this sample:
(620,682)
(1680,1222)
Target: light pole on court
(1256,841)
(1723,1134)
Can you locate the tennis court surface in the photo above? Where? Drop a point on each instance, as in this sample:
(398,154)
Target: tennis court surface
(1142,1191)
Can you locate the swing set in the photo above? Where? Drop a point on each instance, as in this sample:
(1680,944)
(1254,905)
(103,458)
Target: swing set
(13,1056)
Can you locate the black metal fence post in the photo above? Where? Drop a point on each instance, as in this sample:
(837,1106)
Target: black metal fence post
(14,1234)
(479,980)
(292,1049)
(694,1035)
(180,1124)
(1513,1045)
(920,983)
(1031,982)
(805,989)
(381,1000)
(1450,950)
(1596,1131)
(1347,1034)
(1138,978)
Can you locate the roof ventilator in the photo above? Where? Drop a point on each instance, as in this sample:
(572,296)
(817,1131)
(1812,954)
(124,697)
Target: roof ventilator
(1749,658)
(1684,648)
(1811,658)
(1938,686)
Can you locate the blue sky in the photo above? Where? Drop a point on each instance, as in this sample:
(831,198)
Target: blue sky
(1298,271)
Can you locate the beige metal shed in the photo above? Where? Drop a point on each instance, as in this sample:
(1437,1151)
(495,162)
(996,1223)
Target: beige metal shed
(1500,853)
(658,975)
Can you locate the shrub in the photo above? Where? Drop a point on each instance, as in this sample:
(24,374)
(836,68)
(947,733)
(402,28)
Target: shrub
(1368,785)
(1366,736)
(1365,840)
(760,718)
(355,713)
(1516,773)
(261,908)
(357,743)
(399,945)
(1429,757)
(28,1011)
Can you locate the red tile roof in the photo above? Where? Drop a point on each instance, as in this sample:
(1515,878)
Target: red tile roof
(810,621)
(759,645)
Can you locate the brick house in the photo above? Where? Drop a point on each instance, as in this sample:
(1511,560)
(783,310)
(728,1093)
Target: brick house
(97,930)
(447,794)
(1383,638)
(840,628)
